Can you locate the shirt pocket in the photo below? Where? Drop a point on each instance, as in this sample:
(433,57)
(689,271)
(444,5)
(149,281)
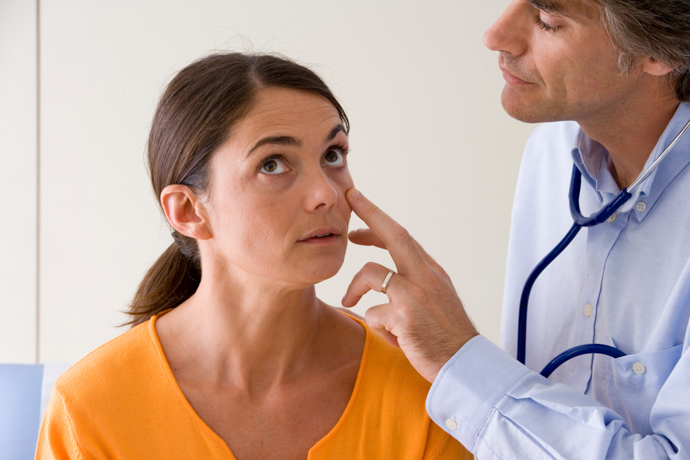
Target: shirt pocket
(633,383)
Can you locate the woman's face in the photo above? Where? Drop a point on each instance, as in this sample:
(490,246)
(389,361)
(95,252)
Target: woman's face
(276,206)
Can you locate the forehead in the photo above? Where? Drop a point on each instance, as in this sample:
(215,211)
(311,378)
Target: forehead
(279,116)
(289,110)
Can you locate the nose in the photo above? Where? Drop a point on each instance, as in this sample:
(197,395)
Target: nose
(322,191)
(511,30)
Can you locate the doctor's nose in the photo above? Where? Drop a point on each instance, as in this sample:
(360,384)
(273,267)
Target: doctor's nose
(510,31)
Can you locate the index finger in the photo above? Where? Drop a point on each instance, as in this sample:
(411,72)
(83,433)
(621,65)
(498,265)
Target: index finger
(404,250)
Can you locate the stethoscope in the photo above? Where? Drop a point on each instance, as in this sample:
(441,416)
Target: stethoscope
(580,221)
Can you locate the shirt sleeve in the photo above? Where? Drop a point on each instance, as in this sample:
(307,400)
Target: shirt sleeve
(56,439)
(499,409)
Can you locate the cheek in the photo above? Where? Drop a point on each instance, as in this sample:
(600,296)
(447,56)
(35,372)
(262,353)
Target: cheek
(266,218)
(246,218)
(343,180)
(560,57)
(590,66)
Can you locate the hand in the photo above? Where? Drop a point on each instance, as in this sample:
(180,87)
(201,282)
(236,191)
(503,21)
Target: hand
(424,316)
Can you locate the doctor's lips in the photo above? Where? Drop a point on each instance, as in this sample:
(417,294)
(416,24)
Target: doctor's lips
(512,79)
(322,236)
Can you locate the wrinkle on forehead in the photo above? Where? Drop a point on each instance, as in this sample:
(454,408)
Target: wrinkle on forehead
(284,107)
(284,112)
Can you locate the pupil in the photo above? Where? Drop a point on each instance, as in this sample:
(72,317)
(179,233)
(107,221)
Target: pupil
(270,166)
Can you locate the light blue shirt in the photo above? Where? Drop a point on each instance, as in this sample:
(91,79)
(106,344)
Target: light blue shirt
(625,283)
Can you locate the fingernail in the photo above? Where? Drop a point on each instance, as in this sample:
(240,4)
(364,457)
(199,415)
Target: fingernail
(355,193)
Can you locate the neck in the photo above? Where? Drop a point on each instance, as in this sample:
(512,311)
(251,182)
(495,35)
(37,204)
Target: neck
(630,130)
(249,333)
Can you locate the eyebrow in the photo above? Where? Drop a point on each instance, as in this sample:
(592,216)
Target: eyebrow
(276,140)
(550,6)
(293,142)
(583,13)
(334,132)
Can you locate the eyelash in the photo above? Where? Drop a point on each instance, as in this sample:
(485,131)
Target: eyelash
(266,160)
(545,26)
(344,151)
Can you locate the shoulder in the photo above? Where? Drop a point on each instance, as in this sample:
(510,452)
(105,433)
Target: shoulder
(389,367)
(545,172)
(111,368)
(391,403)
(555,134)
(115,396)
(550,147)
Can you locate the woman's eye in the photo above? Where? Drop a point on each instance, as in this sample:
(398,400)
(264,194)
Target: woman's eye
(273,166)
(334,158)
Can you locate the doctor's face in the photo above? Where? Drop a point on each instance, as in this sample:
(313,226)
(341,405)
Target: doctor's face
(558,62)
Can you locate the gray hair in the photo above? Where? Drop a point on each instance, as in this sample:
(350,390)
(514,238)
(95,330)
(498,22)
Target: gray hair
(659,29)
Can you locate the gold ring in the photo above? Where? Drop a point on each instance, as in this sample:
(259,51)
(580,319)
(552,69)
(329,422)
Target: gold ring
(386,280)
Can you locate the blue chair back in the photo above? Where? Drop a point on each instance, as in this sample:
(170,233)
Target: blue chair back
(20,410)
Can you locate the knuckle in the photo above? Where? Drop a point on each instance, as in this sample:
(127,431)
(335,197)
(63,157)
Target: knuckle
(372,316)
(440,274)
(402,236)
(370,267)
(371,209)
(405,315)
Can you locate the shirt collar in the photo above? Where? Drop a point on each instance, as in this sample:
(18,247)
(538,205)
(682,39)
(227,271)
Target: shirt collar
(593,161)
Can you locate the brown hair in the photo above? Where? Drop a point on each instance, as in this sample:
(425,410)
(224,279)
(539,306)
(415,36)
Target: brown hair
(194,117)
(659,29)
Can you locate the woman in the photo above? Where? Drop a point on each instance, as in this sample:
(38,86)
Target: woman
(233,356)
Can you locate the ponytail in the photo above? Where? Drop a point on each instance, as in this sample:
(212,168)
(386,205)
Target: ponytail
(172,279)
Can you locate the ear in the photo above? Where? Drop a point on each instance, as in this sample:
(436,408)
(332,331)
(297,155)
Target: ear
(656,68)
(185,212)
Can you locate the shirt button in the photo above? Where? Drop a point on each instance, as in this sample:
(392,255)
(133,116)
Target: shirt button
(641,206)
(451,424)
(612,218)
(588,310)
(638,368)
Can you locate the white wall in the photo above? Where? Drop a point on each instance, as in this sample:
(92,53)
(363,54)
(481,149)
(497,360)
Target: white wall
(18,184)
(430,142)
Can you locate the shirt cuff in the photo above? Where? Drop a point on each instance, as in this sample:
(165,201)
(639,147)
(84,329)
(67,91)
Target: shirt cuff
(469,386)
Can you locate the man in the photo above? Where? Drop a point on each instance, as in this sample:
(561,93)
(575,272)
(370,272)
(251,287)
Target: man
(612,78)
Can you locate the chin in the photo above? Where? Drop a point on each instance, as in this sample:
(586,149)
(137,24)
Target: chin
(527,110)
(323,271)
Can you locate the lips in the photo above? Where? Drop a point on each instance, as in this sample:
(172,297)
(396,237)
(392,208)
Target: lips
(321,234)
(510,77)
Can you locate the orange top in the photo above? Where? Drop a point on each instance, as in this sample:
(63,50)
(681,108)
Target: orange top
(122,402)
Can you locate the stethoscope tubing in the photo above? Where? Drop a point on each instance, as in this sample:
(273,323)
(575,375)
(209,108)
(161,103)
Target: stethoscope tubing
(580,221)
(580,350)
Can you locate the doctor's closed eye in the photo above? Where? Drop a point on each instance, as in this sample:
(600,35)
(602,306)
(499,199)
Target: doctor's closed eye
(546,21)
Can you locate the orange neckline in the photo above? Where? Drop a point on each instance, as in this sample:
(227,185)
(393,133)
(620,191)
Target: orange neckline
(213,435)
